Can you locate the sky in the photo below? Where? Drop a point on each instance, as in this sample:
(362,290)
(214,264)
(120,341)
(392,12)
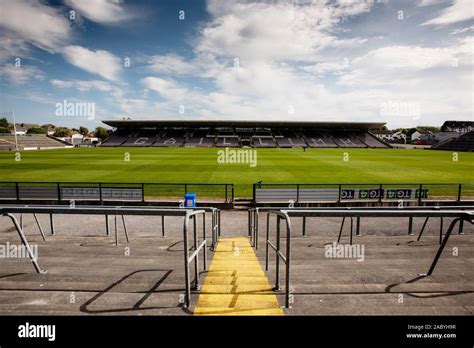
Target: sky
(78,62)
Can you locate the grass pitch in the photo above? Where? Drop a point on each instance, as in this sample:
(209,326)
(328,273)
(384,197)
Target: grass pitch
(200,165)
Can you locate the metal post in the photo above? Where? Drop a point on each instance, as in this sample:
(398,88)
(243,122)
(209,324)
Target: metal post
(59,193)
(125,229)
(297,193)
(249,223)
(17,188)
(459,192)
(25,243)
(143,192)
(51,223)
(39,226)
(422,229)
(304,226)
(204,238)
(419,194)
(440,230)
(266,241)
(219,223)
(380,194)
(116,230)
(255,227)
(340,230)
(21,221)
(277,258)
(162,225)
(461,227)
(196,258)
(358,226)
(443,244)
(107,232)
(100,199)
(232,192)
(288,258)
(186,262)
(226,193)
(410,226)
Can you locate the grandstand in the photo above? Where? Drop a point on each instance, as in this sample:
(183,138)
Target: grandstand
(29,142)
(258,134)
(464,142)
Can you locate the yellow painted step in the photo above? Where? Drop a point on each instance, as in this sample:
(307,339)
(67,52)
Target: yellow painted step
(236,283)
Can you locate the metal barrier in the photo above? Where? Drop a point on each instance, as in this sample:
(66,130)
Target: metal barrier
(254,213)
(457,215)
(187,214)
(110,191)
(376,192)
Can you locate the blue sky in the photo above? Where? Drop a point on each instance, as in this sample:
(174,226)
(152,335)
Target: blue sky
(404,62)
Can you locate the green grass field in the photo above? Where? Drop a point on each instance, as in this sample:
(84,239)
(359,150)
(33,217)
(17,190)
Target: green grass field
(199,165)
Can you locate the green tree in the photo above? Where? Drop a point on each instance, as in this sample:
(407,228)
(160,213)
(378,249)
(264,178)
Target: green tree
(3,122)
(4,130)
(62,132)
(101,133)
(36,130)
(83,130)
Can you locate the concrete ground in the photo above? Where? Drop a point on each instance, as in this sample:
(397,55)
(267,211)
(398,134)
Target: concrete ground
(88,274)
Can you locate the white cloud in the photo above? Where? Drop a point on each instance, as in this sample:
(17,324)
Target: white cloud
(34,23)
(276,30)
(460,10)
(22,74)
(167,88)
(100,62)
(102,11)
(88,85)
(170,64)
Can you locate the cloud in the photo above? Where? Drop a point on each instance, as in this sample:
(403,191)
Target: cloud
(167,88)
(170,64)
(460,10)
(99,62)
(276,30)
(28,21)
(102,11)
(88,85)
(20,75)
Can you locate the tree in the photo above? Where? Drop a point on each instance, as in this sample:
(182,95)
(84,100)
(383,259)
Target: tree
(83,130)
(3,122)
(61,132)
(36,130)
(101,133)
(4,130)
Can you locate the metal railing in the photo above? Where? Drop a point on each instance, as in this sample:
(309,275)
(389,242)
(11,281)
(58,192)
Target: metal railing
(254,220)
(112,191)
(457,215)
(191,253)
(354,192)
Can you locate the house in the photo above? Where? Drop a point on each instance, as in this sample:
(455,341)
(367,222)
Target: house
(390,136)
(421,135)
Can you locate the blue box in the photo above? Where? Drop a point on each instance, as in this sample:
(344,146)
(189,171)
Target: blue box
(190,200)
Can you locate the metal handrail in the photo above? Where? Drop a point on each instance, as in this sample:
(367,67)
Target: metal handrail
(123,210)
(458,216)
(254,213)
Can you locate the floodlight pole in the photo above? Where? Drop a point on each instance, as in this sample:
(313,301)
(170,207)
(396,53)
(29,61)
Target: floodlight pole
(14,129)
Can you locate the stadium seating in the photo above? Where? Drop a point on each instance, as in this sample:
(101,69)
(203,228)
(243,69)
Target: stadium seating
(141,140)
(263,141)
(172,137)
(346,139)
(464,142)
(228,141)
(289,139)
(200,138)
(29,141)
(319,140)
(239,136)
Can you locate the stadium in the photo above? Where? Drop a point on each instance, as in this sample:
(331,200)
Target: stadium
(304,163)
